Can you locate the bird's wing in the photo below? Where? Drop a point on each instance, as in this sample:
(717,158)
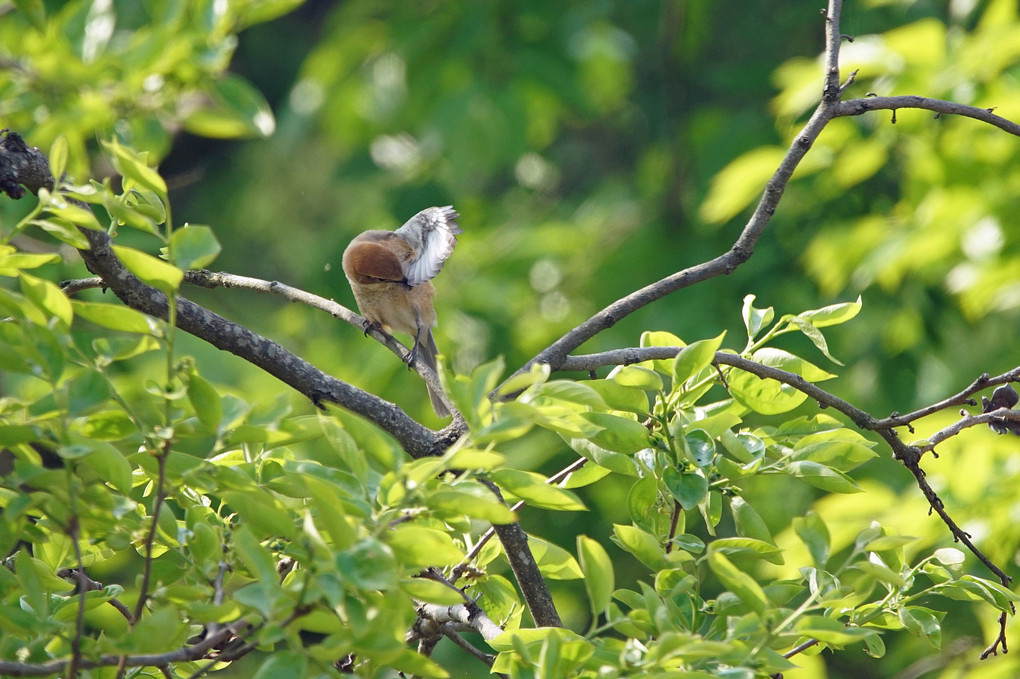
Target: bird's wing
(432,234)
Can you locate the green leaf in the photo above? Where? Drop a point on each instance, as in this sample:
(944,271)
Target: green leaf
(768,396)
(537,374)
(618,434)
(194,247)
(923,623)
(749,547)
(533,489)
(755,319)
(48,297)
(599,580)
(813,532)
(134,167)
(823,477)
(369,564)
(555,562)
(637,377)
(87,390)
(842,449)
(607,459)
(695,357)
(689,488)
(58,206)
(879,571)
(157,632)
(234,110)
(699,447)
(330,512)
(660,338)
(579,393)
(641,544)
(421,547)
(12,434)
(431,591)
(470,500)
(951,558)
(62,230)
(11,264)
(833,314)
(831,632)
(748,521)
(156,272)
(262,512)
(738,582)
(585,476)
(642,503)
(58,153)
(283,664)
(206,401)
(813,334)
(114,316)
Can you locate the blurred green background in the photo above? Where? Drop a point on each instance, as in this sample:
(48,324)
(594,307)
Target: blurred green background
(591,148)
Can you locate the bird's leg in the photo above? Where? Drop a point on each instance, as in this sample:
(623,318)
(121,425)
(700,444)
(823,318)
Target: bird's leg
(371,325)
(413,356)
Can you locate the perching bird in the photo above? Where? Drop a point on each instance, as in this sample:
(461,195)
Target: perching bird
(390,274)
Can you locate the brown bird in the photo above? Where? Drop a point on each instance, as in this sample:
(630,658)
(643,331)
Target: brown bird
(391,276)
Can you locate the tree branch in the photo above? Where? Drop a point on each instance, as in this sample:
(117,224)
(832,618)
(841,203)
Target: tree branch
(416,439)
(214,279)
(856,107)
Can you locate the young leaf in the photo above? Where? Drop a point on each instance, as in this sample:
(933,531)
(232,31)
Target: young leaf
(114,316)
(755,320)
(420,546)
(618,434)
(738,582)
(823,477)
(748,521)
(156,272)
(533,489)
(206,402)
(641,544)
(833,314)
(597,567)
(48,297)
(134,167)
(283,664)
(636,376)
(193,247)
(689,488)
(58,156)
(813,532)
(695,357)
(641,501)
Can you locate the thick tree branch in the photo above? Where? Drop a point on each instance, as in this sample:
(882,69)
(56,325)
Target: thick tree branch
(909,455)
(215,279)
(416,439)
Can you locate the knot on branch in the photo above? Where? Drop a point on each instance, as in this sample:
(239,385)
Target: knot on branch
(21,166)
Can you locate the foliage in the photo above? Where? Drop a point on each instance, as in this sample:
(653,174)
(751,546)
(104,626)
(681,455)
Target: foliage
(727,523)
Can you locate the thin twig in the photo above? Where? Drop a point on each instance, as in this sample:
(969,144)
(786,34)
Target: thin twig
(962,398)
(490,533)
(856,107)
(150,539)
(79,626)
(80,578)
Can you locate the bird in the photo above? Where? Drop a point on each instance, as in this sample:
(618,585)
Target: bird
(391,274)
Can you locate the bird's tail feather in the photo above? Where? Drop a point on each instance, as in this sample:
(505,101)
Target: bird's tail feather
(428,351)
